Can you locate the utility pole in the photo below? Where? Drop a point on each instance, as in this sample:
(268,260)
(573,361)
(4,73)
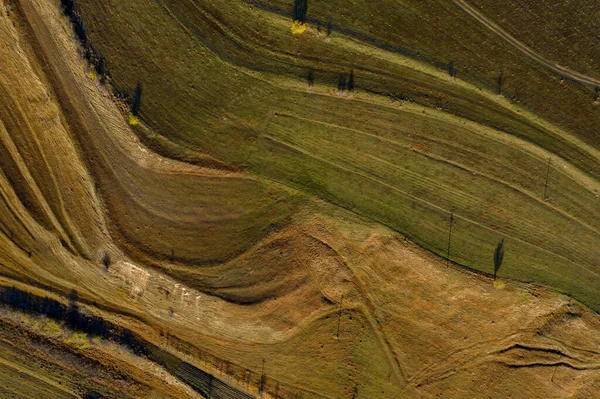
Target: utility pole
(547,174)
(339,318)
(449,238)
(500,81)
(554,373)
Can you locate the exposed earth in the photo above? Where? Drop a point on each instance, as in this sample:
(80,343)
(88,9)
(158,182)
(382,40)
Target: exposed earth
(257,231)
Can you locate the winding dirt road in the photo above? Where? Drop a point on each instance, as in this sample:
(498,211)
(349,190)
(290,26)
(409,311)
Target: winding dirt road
(560,70)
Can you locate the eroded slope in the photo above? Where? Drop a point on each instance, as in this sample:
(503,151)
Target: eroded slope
(224,269)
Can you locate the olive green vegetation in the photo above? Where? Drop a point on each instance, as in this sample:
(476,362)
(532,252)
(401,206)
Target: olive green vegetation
(440,32)
(563,31)
(229,79)
(239,220)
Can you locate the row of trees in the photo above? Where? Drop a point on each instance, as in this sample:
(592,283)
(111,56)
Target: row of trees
(299,14)
(345,82)
(71,316)
(97,61)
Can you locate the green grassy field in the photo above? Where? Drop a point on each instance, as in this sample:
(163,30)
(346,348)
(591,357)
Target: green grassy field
(230,81)
(440,32)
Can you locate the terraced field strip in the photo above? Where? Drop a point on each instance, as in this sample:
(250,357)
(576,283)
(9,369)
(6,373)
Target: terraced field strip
(562,71)
(205,383)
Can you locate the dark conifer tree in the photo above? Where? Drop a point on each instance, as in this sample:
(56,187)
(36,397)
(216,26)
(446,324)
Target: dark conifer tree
(351,81)
(300,9)
(79,28)
(67,6)
(451,69)
(101,68)
(137,100)
(498,257)
(106,260)
(311,78)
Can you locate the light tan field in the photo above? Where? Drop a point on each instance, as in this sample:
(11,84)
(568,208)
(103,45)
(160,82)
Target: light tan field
(224,268)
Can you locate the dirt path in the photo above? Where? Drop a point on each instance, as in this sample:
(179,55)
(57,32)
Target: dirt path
(560,70)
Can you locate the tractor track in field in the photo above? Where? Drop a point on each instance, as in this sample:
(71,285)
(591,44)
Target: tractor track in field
(454,164)
(65,76)
(427,203)
(368,309)
(519,349)
(560,70)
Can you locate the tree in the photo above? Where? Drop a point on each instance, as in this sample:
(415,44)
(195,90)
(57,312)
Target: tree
(597,94)
(311,78)
(500,81)
(351,81)
(137,100)
(106,260)
(328,28)
(80,30)
(100,64)
(451,70)
(498,257)
(67,6)
(300,9)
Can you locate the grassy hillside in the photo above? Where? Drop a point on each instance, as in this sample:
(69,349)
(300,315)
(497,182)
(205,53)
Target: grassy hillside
(234,85)
(562,31)
(441,32)
(259,233)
